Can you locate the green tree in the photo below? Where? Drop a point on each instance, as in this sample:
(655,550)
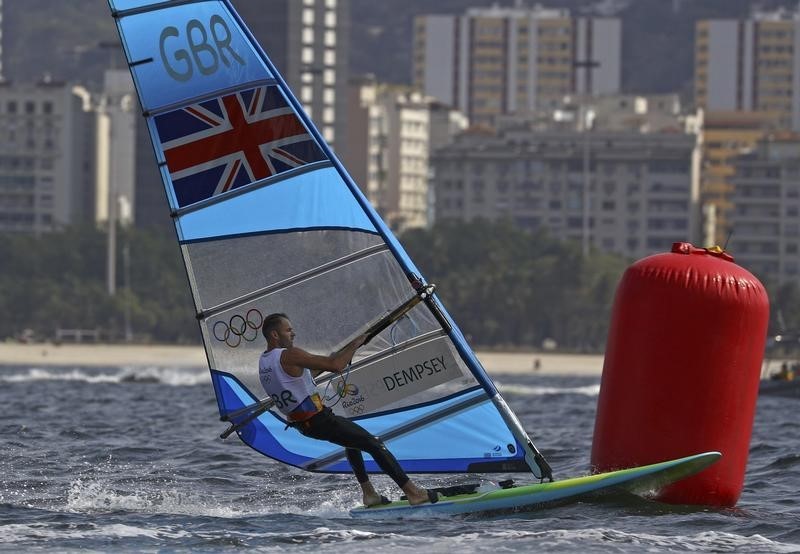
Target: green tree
(509,288)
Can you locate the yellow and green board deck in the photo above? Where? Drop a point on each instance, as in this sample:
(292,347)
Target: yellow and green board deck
(637,479)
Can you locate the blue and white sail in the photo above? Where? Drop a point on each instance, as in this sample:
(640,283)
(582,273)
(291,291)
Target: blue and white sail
(268,221)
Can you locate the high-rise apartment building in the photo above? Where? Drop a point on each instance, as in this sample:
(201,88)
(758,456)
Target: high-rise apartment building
(766,216)
(629,193)
(747,83)
(493,61)
(308,41)
(721,137)
(750,65)
(45,157)
(398,128)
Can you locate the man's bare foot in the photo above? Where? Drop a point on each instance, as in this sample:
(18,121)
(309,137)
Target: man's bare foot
(371,496)
(417,495)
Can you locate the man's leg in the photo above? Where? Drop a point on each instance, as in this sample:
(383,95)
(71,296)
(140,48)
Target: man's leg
(342,431)
(356,459)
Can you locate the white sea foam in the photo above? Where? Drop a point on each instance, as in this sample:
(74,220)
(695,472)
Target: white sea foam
(164,375)
(21,532)
(98,496)
(327,539)
(527,390)
(318,537)
(571,539)
(101,495)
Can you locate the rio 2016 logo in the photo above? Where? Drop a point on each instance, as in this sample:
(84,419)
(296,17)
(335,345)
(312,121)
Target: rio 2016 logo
(346,389)
(205,48)
(351,397)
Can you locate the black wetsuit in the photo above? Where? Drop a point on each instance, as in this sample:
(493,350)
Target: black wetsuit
(330,427)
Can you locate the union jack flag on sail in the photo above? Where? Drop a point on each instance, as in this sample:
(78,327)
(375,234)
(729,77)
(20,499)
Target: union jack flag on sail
(233,140)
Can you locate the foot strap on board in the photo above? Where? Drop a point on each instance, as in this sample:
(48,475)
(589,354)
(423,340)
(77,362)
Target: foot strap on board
(453,490)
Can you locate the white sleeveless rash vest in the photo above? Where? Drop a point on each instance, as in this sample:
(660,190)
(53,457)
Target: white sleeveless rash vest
(295,397)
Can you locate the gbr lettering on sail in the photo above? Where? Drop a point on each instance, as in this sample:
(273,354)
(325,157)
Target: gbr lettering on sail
(197,47)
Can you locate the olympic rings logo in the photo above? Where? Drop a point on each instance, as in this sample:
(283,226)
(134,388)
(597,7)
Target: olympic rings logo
(239,328)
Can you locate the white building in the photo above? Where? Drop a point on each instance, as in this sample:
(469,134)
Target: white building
(627,193)
(400,127)
(643,113)
(45,157)
(117,114)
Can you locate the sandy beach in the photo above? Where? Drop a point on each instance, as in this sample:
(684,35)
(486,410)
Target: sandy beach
(98,355)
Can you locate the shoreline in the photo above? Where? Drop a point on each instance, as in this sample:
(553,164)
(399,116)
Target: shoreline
(100,355)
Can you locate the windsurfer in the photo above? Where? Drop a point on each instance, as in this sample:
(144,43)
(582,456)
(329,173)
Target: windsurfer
(287,375)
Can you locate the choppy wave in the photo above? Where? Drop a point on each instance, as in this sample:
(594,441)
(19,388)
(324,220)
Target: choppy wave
(328,539)
(174,534)
(140,467)
(180,377)
(576,539)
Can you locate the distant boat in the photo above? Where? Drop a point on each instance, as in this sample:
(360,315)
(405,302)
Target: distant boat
(780,375)
(777,387)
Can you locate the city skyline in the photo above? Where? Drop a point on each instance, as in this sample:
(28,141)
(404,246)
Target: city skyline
(400,173)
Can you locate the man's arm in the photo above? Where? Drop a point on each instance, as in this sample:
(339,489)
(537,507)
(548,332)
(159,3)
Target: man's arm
(294,360)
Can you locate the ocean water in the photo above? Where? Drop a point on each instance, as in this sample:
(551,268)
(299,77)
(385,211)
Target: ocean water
(129,459)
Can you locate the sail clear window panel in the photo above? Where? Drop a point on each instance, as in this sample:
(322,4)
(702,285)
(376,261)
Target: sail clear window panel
(326,310)
(233,267)
(409,381)
(168,69)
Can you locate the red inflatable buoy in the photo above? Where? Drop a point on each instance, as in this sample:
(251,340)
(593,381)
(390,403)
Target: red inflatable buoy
(681,370)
